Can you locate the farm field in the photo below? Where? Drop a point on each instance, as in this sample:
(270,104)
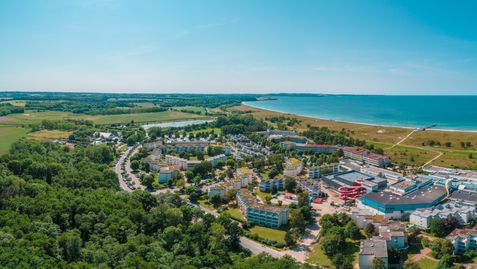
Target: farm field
(47,135)
(10,134)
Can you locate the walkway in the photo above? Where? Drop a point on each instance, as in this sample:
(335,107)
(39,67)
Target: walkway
(433,159)
(404,139)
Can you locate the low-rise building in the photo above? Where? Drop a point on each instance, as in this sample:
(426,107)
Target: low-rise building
(260,214)
(216,159)
(463,239)
(321,170)
(167,173)
(293,167)
(267,185)
(464,197)
(219,190)
(311,186)
(462,213)
(370,249)
(317,148)
(394,232)
(366,157)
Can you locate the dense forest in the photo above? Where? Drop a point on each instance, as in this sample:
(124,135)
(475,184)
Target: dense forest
(106,104)
(62,208)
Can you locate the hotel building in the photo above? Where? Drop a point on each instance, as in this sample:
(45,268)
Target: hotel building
(265,215)
(366,157)
(325,169)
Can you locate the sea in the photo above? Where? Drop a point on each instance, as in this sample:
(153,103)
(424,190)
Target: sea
(440,112)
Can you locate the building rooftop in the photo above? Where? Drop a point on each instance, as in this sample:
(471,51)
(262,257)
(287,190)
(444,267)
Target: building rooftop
(421,196)
(462,232)
(352,176)
(375,247)
(465,195)
(253,204)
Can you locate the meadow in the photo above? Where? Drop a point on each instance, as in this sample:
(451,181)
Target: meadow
(10,134)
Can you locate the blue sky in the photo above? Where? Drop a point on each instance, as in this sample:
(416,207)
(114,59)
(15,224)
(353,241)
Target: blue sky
(211,46)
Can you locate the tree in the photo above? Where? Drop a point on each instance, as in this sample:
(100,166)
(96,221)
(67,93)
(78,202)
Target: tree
(352,230)
(290,184)
(440,247)
(331,245)
(147,180)
(370,230)
(438,227)
(216,200)
(378,263)
(135,165)
(268,198)
(290,239)
(341,261)
(70,242)
(445,262)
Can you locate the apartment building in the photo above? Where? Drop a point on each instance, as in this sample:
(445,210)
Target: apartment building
(325,169)
(462,213)
(267,185)
(366,157)
(463,239)
(260,214)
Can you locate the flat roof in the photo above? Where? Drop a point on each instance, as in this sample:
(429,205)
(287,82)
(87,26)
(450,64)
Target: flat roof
(352,176)
(376,247)
(424,195)
(470,196)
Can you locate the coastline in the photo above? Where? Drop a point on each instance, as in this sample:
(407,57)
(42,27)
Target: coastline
(357,123)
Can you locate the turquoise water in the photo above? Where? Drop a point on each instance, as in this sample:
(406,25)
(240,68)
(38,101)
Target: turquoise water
(447,112)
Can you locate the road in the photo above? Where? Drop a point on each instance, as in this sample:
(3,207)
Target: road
(118,170)
(135,180)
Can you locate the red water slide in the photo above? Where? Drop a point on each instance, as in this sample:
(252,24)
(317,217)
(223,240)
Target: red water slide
(351,193)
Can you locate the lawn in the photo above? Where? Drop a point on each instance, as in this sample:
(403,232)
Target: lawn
(30,117)
(317,257)
(427,263)
(269,233)
(206,204)
(215,130)
(10,134)
(47,135)
(236,213)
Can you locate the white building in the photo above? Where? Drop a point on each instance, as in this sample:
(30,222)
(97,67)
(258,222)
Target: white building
(462,213)
(370,249)
(463,239)
(293,167)
(318,171)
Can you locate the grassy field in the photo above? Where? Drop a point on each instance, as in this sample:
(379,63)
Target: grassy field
(269,233)
(10,134)
(47,135)
(413,151)
(427,263)
(236,213)
(317,257)
(36,117)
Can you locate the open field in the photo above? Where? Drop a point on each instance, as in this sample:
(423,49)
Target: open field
(10,134)
(236,213)
(47,135)
(427,263)
(412,151)
(30,117)
(216,131)
(318,257)
(269,233)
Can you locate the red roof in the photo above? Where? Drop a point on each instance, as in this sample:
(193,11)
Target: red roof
(462,232)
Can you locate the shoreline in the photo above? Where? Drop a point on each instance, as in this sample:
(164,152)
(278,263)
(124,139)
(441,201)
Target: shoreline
(360,123)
